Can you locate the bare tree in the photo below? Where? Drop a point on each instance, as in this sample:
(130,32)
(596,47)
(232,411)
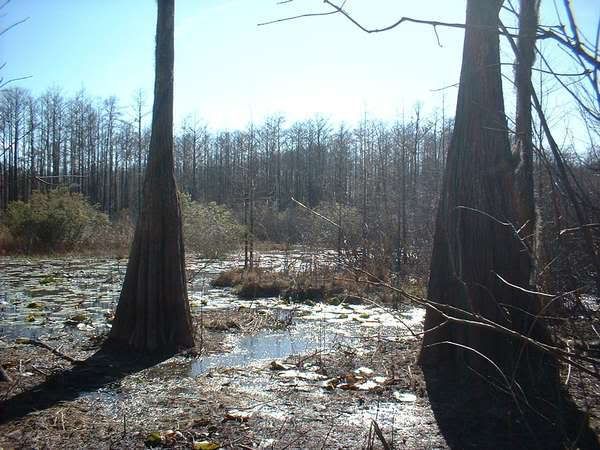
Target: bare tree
(139,107)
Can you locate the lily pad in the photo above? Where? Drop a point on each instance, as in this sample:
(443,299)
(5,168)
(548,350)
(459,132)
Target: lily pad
(36,305)
(77,319)
(43,291)
(50,279)
(206,445)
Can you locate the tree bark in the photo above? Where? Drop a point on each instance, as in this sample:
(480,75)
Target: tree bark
(473,244)
(524,192)
(153,311)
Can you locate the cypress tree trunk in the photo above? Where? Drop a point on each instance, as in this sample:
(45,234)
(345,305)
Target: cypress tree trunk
(153,311)
(470,247)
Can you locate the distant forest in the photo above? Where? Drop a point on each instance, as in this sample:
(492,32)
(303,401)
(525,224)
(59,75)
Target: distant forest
(385,175)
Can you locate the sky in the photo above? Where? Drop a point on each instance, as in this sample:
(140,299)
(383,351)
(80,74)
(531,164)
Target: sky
(230,72)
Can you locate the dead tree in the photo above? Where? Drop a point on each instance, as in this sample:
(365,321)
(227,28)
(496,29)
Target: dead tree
(153,311)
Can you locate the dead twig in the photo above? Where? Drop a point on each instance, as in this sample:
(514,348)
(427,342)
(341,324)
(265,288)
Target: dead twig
(40,371)
(380,436)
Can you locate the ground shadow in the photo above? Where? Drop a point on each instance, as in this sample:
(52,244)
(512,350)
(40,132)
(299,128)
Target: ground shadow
(471,414)
(104,367)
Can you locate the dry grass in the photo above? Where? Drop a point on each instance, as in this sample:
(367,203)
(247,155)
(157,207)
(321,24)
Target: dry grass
(324,285)
(228,278)
(253,283)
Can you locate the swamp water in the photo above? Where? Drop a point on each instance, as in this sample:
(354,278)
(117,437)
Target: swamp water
(42,297)
(51,298)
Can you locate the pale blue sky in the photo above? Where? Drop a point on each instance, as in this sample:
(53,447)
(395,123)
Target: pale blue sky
(228,71)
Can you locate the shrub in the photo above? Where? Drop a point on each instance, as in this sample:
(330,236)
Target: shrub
(6,240)
(209,230)
(55,220)
(318,231)
(116,236)
(271,225)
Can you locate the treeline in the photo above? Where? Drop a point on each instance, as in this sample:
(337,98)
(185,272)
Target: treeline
(379,180)
(389,173)
(100,146)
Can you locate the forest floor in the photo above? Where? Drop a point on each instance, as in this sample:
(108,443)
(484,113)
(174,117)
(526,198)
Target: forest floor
(264,374)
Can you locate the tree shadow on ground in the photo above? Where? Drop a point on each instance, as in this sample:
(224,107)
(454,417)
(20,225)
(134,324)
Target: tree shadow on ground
(471,414)
(104,367)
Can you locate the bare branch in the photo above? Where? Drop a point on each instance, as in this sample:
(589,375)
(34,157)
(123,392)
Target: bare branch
(3,83)
(467,318)
(300,16)
(584,73)
(339,9)
(528,291)
(587,225)
(316,213)
(579,50)
(10,27)
(445,87)
(434,23)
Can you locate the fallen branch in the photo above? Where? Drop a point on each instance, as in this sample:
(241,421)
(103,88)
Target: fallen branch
(379,434)
(36,343)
